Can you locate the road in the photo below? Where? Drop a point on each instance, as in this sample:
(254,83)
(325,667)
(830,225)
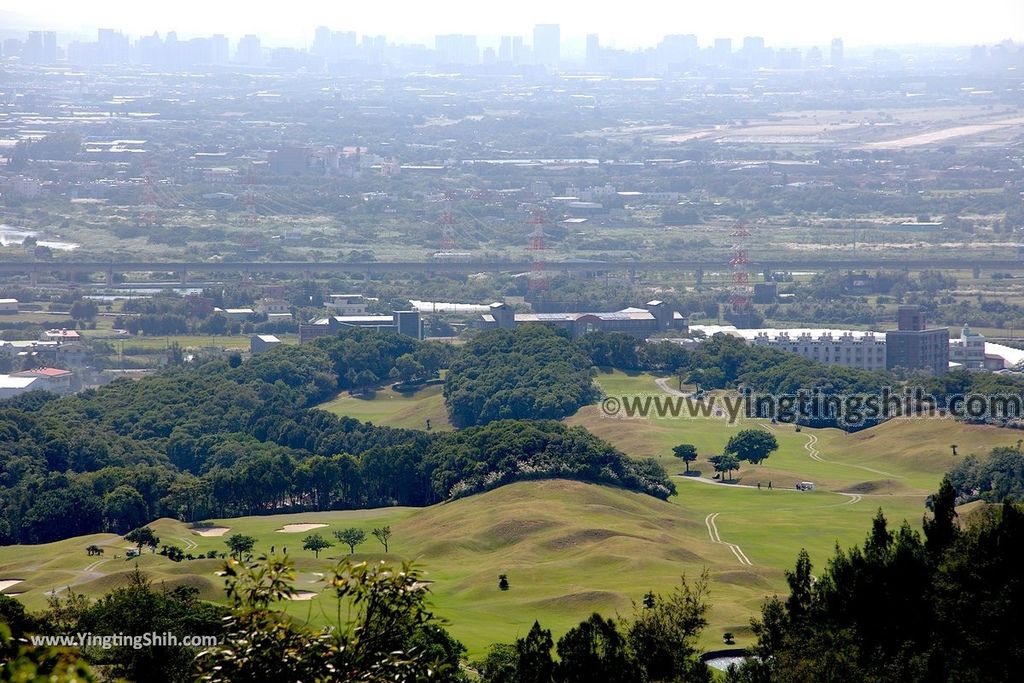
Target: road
(475,266)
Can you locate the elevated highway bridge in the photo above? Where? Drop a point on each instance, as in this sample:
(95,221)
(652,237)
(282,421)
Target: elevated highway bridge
(183,269)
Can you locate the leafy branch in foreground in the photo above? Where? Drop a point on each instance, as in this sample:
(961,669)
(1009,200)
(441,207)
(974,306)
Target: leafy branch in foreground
(387,633)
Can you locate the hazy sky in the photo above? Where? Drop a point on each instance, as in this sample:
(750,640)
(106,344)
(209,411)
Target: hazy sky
(624,24)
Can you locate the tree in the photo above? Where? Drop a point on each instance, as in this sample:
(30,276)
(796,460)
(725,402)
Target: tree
(316,543)
(752,445)
(388,634)
(533,656)
(93,550)
(84,309)
(663,638)
(173,553)
(499,666)
(503,582)
(124,508)
(143,536)
(687,453)
(725,464)
(240,544)
(595,651)
(383,534)
(408,367)
(940,530)
(351,537)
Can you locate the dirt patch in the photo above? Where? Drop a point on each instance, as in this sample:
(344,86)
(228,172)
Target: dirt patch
(584,537)
(211,531)
(582,602)
(299,528)
(869,487)
(681,555)
(516,530)
(743,578)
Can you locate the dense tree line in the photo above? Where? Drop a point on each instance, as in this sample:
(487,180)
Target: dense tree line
(997,478)
(942,607)
(227,438)
(532,372)
(510,450)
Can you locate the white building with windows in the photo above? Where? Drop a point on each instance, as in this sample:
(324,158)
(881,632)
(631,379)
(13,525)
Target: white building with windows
(862,350)
(347,304)
(968,350)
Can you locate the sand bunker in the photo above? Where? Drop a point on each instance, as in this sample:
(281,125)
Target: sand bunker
(7,583)
(299,528)
(211,531)
(303,595)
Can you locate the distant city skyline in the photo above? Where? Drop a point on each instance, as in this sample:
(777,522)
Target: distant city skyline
(867,23)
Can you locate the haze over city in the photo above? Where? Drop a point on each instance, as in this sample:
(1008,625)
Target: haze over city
(556,342)
(636,24)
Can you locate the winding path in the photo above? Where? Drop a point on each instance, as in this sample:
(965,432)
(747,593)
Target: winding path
(662,383)
(92,567)
(812,450)
(709,522)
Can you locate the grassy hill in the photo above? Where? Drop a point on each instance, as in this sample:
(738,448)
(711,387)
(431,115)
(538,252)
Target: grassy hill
(570,548)
(391,408)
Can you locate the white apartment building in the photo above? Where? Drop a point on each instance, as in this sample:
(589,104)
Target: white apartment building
(861,350)
(347,304)
(968,350)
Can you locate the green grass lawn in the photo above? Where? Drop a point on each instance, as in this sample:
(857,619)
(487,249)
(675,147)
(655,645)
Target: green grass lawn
(570,548)
(391,408)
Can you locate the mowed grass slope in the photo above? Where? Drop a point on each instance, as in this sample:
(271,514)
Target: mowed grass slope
(391,408)
(906,457)
(570,548)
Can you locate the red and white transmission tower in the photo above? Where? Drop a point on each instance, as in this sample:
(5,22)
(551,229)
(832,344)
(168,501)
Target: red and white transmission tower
(739,302)
(251,240)
(538,272)
(447,222)
(149,202)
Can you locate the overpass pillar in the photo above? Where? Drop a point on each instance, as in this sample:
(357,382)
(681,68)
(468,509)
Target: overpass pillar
(699,275)
(976,272)
(632,274)
(33,278)
(307,275)
(110,277)
(184,276)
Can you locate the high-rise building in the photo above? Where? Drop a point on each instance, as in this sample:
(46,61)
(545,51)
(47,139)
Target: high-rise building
(520,53)
(321,42)
(593,51)
(219,49)
(505,50)
(547,44)
(33,49)
(677,49)
(723,51)
(913,346)
(49,47)
(112,46)
(836,56)
(755,54)
(457,48)
(249,51)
